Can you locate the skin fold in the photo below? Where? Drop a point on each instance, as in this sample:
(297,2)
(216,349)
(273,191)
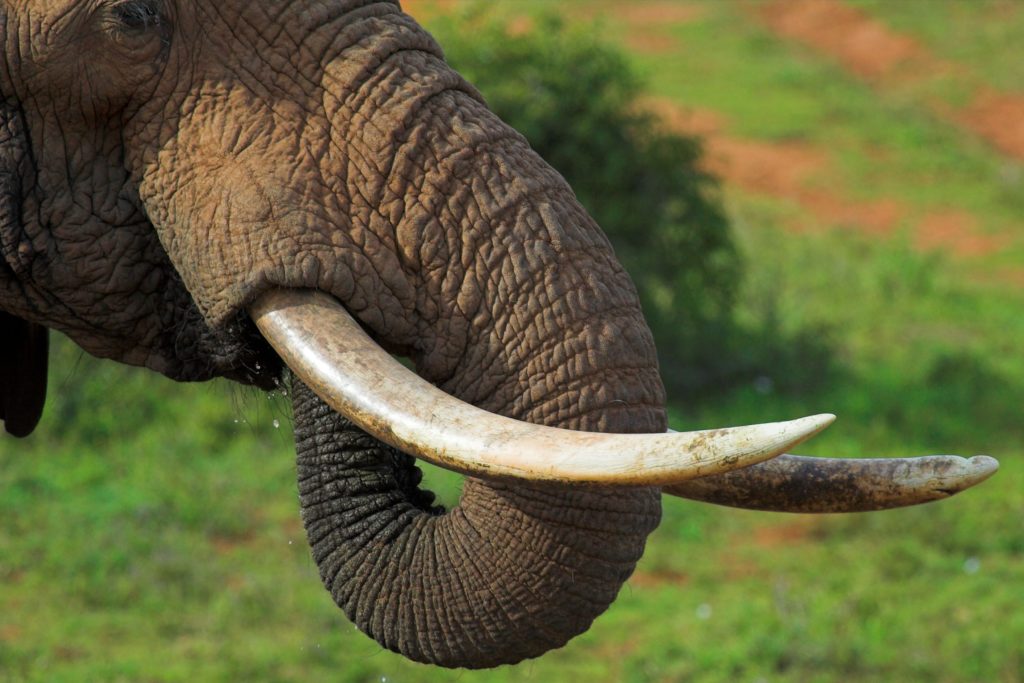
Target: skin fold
(162,163)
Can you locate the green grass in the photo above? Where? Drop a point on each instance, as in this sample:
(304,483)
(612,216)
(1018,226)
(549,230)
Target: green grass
(149,531)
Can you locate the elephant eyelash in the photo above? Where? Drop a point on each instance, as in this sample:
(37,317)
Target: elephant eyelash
(136,25)
(138,15)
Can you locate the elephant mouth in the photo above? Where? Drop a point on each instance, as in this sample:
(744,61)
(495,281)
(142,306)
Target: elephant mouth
(244,357)
(739,466)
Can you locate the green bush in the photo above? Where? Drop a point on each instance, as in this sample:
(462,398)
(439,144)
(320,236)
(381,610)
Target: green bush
(575,98)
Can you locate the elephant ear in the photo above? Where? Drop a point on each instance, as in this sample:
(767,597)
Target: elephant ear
(24,346)
(15,170)
(24,355)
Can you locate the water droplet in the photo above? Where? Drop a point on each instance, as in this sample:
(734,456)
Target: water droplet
(704,611)
(289,543)
(972,565)
(236,420)
(277,424)
(258,366)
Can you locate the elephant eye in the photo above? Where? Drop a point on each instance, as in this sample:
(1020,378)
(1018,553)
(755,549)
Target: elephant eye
(139,27)
(138,15)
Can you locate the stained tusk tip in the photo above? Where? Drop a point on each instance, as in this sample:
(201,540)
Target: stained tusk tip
(956,473)
(981,467)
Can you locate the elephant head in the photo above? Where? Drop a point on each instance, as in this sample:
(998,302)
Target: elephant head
(172,170)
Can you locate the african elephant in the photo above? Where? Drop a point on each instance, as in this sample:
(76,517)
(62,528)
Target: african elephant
(177,176)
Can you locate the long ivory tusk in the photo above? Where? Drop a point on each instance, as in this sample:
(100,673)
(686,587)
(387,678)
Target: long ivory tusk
(327,350)
(792,483)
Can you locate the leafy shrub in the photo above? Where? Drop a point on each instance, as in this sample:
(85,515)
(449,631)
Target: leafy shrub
(576,99)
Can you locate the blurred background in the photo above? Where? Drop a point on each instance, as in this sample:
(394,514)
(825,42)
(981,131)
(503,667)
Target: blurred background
(822,203)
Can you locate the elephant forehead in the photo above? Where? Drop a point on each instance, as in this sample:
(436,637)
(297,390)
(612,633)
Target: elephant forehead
(286,32)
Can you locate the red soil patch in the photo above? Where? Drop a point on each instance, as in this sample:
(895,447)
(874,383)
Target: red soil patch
(691,121)
(1010,276)
(519,26)
(796,532)
(643,14)
(879,217)
(998,118)
(860,43)
(421,9)
(651,43)
(658,14)
(647,23)
(778,168)
(957,232)
(226,545)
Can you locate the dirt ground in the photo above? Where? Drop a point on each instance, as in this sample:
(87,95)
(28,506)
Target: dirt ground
(861,44)
(999,118)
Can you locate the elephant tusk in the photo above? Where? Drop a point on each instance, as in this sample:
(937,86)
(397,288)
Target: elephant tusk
(326,348)
(792,483)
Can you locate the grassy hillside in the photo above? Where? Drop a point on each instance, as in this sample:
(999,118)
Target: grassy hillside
(149,531)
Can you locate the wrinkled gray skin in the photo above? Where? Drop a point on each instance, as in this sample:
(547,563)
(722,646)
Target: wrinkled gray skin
(162,163)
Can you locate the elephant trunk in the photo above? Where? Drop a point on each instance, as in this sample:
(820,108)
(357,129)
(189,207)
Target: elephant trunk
(509,574)
(524,313)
